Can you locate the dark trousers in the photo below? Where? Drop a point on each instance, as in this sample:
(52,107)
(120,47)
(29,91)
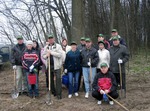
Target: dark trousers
(99,96)
(55,84)
(117,76)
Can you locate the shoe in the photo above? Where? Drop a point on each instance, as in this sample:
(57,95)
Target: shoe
(99,102)
(111,102)
(87,95)
(70,96)
(76,94)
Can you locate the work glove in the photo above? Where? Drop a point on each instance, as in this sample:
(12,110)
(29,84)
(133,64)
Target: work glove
(14,67)
(65,71)
(120,61)
(31,68)
(89,64)
(102,91)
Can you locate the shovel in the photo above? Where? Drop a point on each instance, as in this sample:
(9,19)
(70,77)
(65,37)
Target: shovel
(14,92)
(120,80)
(48,96)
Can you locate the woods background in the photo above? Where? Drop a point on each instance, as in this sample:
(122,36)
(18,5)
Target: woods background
(34,19)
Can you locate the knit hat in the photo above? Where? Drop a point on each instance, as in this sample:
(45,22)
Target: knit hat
(101,42)
(29,42)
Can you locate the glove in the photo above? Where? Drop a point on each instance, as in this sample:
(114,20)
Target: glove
(120,61)
(14,67)
(31,68)
(89,64)
(65,71)
(102,91)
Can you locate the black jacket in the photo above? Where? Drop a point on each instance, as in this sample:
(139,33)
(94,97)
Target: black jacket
(16,54)
(117,52)
(100,75)
(89,53)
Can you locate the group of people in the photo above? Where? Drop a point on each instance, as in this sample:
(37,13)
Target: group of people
(98,65)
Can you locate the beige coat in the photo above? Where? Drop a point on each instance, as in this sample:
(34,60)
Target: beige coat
(58,55)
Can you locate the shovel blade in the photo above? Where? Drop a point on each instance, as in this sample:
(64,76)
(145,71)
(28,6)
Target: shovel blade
(14,94)
(48,98)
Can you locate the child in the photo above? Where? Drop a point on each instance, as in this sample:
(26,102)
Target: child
(104,83)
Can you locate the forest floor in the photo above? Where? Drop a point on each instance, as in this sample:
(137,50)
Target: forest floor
(137,99)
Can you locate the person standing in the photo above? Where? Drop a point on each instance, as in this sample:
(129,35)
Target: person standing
(65,45)
(114,33)
(16,60)
(54,52)
(119,55)
(100,37)
(72,68)
(81,46)
(104,55)
(104,83)
(30,62)
(86,54)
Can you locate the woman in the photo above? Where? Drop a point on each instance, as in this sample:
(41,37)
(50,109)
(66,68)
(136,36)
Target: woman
(104,55)
(72,68)
(30,62)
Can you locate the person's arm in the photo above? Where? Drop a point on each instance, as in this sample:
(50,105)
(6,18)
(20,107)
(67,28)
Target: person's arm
(125,55)
(95,59)
(95,83)
(13,56)
(114,83)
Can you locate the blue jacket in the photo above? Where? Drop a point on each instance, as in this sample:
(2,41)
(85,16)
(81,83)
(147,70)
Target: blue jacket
(72,61)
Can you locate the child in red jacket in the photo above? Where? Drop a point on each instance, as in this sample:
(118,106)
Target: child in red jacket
(104,83)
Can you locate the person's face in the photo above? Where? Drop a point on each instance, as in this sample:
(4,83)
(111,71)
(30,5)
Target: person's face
(88,44)
(29,46)
(20,41)
(51,40)
(73,47)
(34,44)
(114,33)
(104,70)
(64,43)
(100,39)
(116,42)
(101,46)
(82,42)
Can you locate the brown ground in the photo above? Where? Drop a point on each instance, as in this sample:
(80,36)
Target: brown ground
(138,95)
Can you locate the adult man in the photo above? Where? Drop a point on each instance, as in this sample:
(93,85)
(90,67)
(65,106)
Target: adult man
(16,60)
(114,33)
(81,46)
(104,83)
(89,59)
(119,55)
(54,52)
(100,37)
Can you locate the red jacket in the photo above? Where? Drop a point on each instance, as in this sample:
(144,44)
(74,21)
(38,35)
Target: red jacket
(104,83)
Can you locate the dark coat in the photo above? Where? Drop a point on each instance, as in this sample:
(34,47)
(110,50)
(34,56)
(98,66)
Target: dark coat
(89,53)
(73,61)
(80,47)
(100,76)
(16,54)
(117,52)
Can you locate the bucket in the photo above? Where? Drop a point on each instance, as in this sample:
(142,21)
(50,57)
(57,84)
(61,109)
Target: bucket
(32,79)
(65,80)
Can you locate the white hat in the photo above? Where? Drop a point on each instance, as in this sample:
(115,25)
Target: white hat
(29,42)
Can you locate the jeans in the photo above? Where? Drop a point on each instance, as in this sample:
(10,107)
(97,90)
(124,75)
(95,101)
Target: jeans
(73,81)
(87,78)
(20,79)
(32,89)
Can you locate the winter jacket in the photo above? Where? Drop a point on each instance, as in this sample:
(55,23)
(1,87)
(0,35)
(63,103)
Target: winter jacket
(57,53)
(80,47)
(122,41)
(72,61)
(30,57)
(104,82)
(16,54)
(104,56)
(117,52)
(89,53)
(107,45)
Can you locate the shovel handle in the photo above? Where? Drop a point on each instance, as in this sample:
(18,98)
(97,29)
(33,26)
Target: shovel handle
(120,76)
(49,72)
